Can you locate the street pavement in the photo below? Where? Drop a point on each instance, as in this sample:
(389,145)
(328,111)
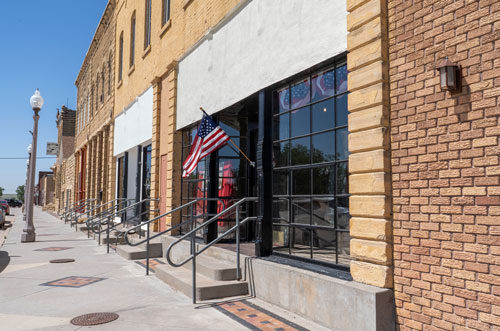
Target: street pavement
(99,282)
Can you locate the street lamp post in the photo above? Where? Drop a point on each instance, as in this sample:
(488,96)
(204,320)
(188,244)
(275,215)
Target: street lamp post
(29,234)
(27,184)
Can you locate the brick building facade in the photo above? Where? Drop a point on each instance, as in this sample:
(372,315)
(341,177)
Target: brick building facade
(63,168)
(420,191)
(445,165)
(94,162)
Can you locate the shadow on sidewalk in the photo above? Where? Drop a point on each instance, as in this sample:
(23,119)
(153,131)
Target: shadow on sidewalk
(4,260)
(48,241)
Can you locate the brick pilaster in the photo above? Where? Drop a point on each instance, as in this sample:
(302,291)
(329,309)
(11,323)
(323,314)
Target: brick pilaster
(111,165)
(155,148)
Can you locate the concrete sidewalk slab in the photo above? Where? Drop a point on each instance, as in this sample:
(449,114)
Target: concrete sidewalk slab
(142,302)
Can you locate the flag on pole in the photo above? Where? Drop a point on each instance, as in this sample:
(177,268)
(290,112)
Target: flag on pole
(208,138)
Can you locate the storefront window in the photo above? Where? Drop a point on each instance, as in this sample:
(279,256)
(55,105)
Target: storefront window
(310,155)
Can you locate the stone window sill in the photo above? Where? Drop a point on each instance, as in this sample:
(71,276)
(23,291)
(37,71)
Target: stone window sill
(165,27)
(146,51)
(131,69)
(186,3)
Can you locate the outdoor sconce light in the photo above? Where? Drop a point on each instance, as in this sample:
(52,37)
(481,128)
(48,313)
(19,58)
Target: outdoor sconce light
(449,75)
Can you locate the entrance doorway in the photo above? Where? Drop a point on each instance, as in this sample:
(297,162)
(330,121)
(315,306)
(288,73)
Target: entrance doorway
(225,174)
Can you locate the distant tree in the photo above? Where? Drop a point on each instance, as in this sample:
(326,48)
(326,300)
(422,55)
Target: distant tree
(1,191)
(20,193)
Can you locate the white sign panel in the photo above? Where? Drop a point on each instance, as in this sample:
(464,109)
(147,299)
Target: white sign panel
(264,43)
(134,125)
(52,148)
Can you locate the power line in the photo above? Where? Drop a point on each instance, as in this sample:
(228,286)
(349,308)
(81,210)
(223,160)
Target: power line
(25,158)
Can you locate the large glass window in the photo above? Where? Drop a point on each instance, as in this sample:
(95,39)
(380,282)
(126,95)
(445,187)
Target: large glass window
(165,12)
(311,205)
(147,25)
(132,41)
(120,59)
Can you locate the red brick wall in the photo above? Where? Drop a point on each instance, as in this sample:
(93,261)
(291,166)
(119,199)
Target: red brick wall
(445,163)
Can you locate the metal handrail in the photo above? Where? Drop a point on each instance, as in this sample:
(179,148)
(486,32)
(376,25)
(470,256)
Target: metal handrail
(108,210)
(121,233)
(109,218)
(118,212)
(87,211)
(104,213)
(192,233)
(71,206)
(69,209)
(74,214)
(175,227)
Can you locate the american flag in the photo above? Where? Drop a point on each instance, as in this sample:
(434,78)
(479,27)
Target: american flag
(208,138)
(325,85)
(300,96)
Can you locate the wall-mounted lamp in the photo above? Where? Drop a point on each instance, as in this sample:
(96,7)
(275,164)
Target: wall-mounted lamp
(449,75)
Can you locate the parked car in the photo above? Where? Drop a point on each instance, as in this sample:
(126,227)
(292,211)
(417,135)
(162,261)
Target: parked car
(6,206)
(2,218)
(14,203)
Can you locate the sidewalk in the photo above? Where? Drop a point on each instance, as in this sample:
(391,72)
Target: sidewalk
(143,303)
(35,296)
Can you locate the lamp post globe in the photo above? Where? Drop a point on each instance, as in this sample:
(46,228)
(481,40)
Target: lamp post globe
(29,235)
(36,101)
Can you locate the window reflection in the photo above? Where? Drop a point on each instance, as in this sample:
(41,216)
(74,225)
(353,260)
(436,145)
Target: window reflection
(324,180)
(341,110)
(300,94)
(341,140)
(301,151)
(301,181)
(281,153)
(323,85)
(300,122)
(323,117)
(282,127)
(311,171)
(283,100)
(323,147)
(341,79)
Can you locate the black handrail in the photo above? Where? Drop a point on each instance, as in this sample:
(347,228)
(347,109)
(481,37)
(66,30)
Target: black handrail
(104,213)
(111,216)
(69,209)
(175,227)
(74,214)
(98,222)
(192,233)
(108,210)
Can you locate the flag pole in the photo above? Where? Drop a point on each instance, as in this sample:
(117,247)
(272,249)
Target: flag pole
(231,140)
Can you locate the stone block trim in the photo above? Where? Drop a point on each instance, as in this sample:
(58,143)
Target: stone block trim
(445,154)
(369,143)
(155,150)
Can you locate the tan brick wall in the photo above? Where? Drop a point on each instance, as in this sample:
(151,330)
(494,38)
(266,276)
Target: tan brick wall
(91,133)
(445,155)
(369,167)
(187,25)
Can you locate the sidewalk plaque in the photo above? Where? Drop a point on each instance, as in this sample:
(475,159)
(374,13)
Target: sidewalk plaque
(52,148)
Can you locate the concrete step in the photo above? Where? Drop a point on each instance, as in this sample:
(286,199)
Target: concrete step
(206,288)
(213,268)
(112,239)
(139,252)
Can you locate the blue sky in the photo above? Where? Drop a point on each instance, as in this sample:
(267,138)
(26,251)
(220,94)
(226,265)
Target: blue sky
(42,45)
